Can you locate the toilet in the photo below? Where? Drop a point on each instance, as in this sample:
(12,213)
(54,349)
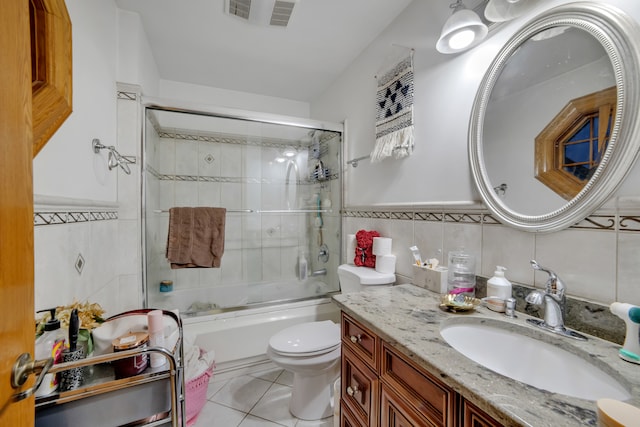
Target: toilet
(357,279)
(312,350)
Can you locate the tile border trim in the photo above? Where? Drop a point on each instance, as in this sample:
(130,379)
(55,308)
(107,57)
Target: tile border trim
(613,222)
(50,210)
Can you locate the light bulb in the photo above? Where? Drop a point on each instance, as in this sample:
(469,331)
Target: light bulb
(461,39)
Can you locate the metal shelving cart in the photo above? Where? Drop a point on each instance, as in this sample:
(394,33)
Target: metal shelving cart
(154,397)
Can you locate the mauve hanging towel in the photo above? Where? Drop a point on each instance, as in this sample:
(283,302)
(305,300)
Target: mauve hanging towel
(196,237)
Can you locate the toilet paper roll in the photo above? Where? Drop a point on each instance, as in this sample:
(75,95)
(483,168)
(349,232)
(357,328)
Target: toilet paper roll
(156,336)
(386,263)
(381,246)
(351,248)
(155,321)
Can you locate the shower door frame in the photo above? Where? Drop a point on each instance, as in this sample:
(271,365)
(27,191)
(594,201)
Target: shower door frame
(177,106)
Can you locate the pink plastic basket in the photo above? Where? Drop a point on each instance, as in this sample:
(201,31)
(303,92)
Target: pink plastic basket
(196,395)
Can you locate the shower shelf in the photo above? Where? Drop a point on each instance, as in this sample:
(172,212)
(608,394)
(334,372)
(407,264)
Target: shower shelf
(293,211)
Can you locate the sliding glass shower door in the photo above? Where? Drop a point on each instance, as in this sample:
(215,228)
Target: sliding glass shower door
(281,187)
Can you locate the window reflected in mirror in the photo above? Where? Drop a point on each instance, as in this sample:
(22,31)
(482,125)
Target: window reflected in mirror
(571,146)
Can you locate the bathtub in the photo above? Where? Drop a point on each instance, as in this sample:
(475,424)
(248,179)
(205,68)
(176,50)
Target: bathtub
(240,338)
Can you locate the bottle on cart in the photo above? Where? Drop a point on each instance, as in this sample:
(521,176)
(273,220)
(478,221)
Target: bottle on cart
(50,345)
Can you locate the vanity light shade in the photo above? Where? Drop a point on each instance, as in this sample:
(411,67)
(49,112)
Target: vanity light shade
(505,10)
(461,31)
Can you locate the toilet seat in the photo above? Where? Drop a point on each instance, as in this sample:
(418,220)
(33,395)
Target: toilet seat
(305,354)
(306,339)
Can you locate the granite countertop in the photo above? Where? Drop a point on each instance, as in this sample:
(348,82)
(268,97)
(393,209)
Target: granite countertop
(409,318)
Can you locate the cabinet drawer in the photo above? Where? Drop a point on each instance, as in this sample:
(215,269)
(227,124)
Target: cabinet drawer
(425,393)
(394,412)
(360,340)
(474,417)
(347,419)
(359,389)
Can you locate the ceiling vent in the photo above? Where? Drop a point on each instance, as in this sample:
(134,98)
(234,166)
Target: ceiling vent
(274,13)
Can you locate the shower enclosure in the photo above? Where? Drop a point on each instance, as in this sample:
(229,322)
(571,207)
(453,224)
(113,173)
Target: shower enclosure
(278,178)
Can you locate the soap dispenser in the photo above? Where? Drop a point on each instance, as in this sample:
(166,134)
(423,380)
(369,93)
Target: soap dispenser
(50,345)
(302,266)
(498,285)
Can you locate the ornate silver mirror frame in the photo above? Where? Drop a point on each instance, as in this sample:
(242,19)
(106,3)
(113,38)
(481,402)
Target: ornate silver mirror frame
(619,35)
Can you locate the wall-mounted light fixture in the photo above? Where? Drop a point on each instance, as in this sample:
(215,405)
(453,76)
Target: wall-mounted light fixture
(463,29)
(505,10)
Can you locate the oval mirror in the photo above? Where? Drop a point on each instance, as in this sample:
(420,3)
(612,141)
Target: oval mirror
(554,127)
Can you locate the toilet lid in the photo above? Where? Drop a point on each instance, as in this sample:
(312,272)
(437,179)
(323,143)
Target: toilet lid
(309,337)
(367,275)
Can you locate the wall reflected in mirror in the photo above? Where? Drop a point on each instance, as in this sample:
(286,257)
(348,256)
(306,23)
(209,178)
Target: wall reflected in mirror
(543,75)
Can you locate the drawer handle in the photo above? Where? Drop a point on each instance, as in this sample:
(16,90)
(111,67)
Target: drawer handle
(353,390)
(356,338)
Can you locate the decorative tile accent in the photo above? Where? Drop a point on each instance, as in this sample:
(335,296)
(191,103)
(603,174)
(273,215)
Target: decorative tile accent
(629,223)
(78,217)
(55,218)
(624,223)
(128,96)
(428,216)
(219,138)
(103,216)
(79,263)
(228,179)
(402,215)
(49,218)
(463,218)
(597,222)
(379,215)
(489,219)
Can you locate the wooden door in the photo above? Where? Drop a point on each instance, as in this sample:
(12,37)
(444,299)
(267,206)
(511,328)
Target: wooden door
(16,207)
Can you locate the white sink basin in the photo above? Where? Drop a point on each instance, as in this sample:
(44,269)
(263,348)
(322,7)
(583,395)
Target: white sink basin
(529,360)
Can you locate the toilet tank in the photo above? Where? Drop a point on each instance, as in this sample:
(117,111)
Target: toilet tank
(355,279)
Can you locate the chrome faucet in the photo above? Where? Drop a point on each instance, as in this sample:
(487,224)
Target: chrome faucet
(554,301)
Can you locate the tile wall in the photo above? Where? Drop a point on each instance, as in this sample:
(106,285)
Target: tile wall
(599,258)
(89,250)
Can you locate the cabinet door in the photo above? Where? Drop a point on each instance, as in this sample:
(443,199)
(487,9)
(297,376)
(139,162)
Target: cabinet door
(422,391)
(395,412)
(361,341)
(359,388)
(473,416)
(347,419)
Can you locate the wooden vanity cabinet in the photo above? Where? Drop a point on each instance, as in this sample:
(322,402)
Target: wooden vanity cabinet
(359,376)
(473,416)
(430,398)
(382,387)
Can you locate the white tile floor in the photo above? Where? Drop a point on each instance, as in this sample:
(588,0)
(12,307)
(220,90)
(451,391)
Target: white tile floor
(255,399)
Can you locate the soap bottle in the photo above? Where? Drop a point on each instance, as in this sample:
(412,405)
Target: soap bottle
(498,285)
(50,344)
(302,266)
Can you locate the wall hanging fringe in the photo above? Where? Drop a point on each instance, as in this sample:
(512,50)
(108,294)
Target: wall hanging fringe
(394,112)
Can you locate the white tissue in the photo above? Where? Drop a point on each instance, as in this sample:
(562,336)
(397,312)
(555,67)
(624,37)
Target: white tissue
(386,263)
(381,246)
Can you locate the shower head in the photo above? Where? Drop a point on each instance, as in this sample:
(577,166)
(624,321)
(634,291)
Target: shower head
(115,158)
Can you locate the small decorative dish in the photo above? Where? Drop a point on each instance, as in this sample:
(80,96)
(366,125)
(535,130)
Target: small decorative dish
(458,303)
